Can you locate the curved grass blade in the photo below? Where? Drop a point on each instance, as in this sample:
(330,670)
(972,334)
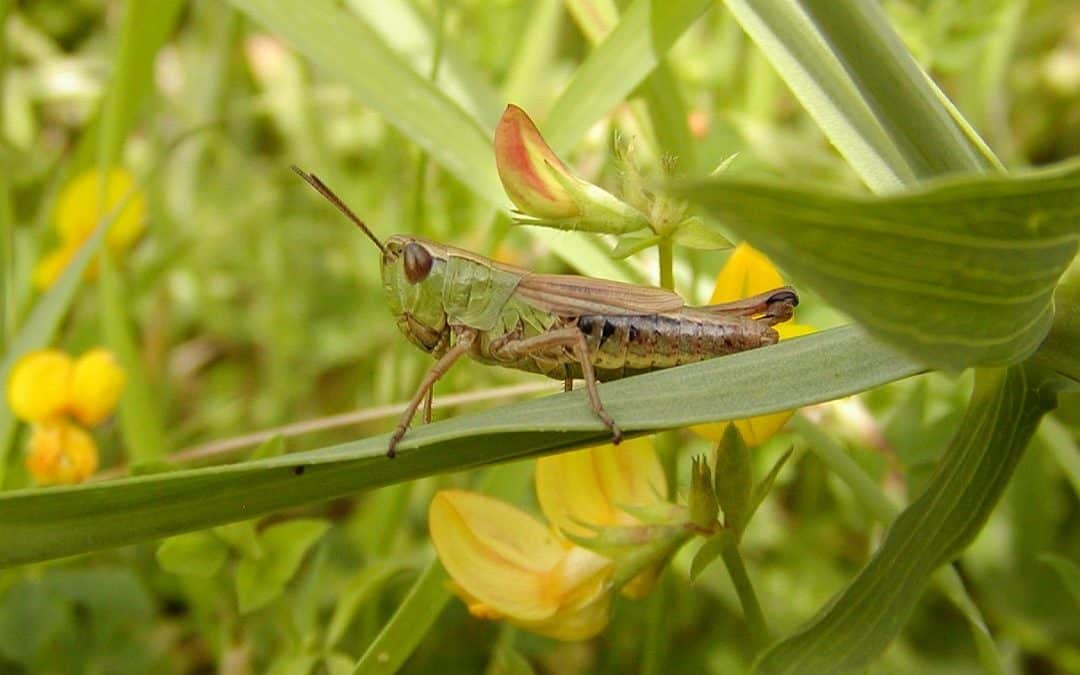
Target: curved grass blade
(43,524)
(1004,412)
(854,77)
(959,273)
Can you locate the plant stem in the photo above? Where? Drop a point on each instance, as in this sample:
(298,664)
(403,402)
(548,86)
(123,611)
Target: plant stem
(667,265)
(755,620)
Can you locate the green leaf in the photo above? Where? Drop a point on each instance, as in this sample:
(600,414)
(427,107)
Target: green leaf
(761,490)
(1069,572)
(409,625)
(271,447)
(43,524)
(260,580)
(1004,412)
(692,233)
(365,585)
(1058,350)
(629,245)
(734,483)
(958,273)
(196,554)
(709,552)
(852,74)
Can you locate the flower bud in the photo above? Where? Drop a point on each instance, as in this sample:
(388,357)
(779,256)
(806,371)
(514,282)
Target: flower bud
(702,498)
(61,453)
(38,387)
(96,384)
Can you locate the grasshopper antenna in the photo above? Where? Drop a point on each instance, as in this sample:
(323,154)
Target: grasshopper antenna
(329,195)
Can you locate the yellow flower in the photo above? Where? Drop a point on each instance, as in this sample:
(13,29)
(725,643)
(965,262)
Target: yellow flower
(96,384)
(82,204)
(61,453)
(748,272)
(508,565)
(38,388)
(47,384)
(584,491)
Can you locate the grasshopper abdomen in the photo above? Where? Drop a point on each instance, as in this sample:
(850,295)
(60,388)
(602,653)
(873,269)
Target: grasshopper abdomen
(624,345)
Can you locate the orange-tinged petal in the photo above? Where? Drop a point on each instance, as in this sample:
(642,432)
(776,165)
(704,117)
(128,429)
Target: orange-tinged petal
(747,272)
(499,555)
(585,488)
(39,385)
(61,453)
(81,206)
(527,168)
(96,384)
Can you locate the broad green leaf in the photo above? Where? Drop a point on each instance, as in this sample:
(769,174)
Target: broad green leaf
(43,524)
(197,554)
(852,74)
(260,580)
(1004,412)
(644,34)
(958,273)
(352,52)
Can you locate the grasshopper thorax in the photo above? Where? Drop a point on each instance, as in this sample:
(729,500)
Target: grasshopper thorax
(413,274)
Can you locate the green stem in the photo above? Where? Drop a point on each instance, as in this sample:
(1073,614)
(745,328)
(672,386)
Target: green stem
(654,651)
(667,265)
(755,619)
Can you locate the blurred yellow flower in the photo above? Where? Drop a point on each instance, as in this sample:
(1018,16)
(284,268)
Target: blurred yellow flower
(584,491)
(48,384)
(61,453)
(748,272)
(83,202)
(507,565)
(37,389)
(96,384)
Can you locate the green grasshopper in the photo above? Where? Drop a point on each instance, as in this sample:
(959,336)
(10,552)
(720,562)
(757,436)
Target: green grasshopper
(452,303)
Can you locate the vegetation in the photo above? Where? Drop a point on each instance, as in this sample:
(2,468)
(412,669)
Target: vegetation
(238,514)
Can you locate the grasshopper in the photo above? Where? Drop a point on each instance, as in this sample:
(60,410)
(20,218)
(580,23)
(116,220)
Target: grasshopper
(452,303)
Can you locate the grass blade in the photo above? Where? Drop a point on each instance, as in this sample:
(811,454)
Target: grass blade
(43,524)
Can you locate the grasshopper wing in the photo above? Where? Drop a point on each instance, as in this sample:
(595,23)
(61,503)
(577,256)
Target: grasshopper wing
(569,295)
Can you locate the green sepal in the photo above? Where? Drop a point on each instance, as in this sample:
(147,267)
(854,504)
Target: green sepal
(762,489)
(702,498)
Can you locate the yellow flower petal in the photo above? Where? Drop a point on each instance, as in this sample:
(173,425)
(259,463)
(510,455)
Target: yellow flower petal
(39,385)
(586,487)
(96,384)
(80,208)
(506,564)
(498,554)
(747,272)
(61,453)
(527,166)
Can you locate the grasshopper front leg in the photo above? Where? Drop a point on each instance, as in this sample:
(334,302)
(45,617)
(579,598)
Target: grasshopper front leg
(572,338)
(465,339)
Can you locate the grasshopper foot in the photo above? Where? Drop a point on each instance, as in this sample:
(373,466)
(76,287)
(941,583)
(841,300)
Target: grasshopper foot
(399,433)
(616,432)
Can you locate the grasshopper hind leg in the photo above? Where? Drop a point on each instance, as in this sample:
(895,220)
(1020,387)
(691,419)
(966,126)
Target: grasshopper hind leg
(573,339)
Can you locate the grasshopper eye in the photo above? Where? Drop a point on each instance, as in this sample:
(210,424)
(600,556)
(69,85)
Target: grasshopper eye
(417,262)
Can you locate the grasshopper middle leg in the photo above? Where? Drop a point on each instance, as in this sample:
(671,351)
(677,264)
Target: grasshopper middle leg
(573,339)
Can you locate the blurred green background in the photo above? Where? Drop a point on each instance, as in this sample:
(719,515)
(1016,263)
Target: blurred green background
(250,304)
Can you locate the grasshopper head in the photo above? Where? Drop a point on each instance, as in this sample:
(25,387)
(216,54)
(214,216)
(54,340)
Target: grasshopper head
(413,273)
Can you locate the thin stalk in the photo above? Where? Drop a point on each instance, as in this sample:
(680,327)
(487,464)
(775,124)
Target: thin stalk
(667,265)
(755,619)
